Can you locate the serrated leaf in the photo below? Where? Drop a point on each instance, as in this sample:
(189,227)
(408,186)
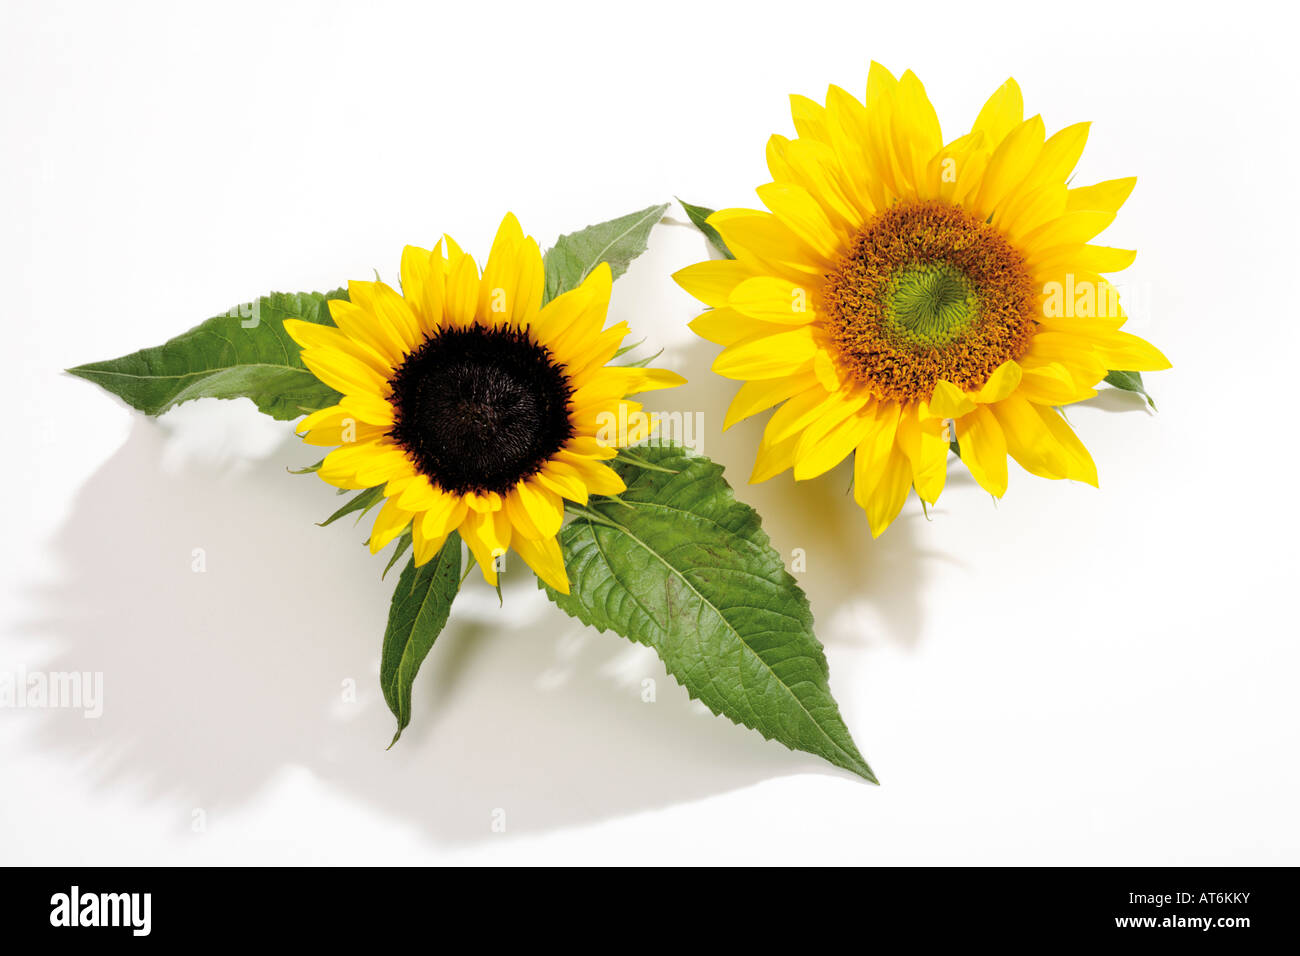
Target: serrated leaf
(700,216)
(617,242)
(244,353)
(1130,382)
(679,564)
(421,604)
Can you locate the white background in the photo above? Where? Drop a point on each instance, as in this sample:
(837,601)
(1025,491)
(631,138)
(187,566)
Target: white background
(1068,676)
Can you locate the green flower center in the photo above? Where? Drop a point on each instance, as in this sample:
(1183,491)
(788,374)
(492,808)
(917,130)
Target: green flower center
(930,303)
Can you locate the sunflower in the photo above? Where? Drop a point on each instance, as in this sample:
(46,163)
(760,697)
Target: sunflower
(476,407)
(902,294)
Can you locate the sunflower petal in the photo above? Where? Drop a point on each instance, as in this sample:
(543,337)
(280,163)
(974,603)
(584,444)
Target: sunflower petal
(984,449)
(544,557)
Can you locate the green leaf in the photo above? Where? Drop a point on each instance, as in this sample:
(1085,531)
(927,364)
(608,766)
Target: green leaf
(617,242)
(421,603)
(244,353)
(1130,382)
(677,563)
(700,216)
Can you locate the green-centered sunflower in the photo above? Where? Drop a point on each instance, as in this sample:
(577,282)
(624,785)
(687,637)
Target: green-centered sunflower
(478,409)
(902,293)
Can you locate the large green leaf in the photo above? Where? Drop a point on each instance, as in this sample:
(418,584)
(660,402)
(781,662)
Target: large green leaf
(1130,382)
(421,603)
(700,216)
(677,563)
(244,353)
(617,242)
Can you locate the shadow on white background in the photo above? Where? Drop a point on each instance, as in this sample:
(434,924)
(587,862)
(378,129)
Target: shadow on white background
(217,679)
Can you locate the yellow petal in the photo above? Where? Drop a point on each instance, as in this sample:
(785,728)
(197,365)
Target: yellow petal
(387,307)
(415,276)
(886,499)
(799,211)
(313,336)
(598,477)
(389,523)
(1082,467)
(1003,381)
(809,117)
(444,518)
(337,426)
(949,401)
(343,373)
(562,480)
(461,303)
(984,449)
(873,452)
(1125,351)
(768,356)
(544,557)
(368,408)
(1061,154)
(578,342)
(1051,384)
(324,418)
(511,288)
(953,170)
(1029,441)
(1009,165)
(773,458)
(826,444)
(711,282)
(1069,229)
(816,167)
(545,508)
(770,299)
(416,493)
(727,326)
(622,380)
(1029,210)
(1051,262)
(1001,114)
(925,443)
(761,394)
(767,242)
(1107,196)
(424,548)
(487,535)
(799,412)
(917,136)
(361,326)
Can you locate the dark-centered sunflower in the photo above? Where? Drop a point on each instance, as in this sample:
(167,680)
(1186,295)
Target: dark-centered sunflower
(903,293)
(478,409)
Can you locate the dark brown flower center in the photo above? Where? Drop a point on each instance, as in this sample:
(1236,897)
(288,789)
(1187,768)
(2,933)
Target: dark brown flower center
(480,409)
